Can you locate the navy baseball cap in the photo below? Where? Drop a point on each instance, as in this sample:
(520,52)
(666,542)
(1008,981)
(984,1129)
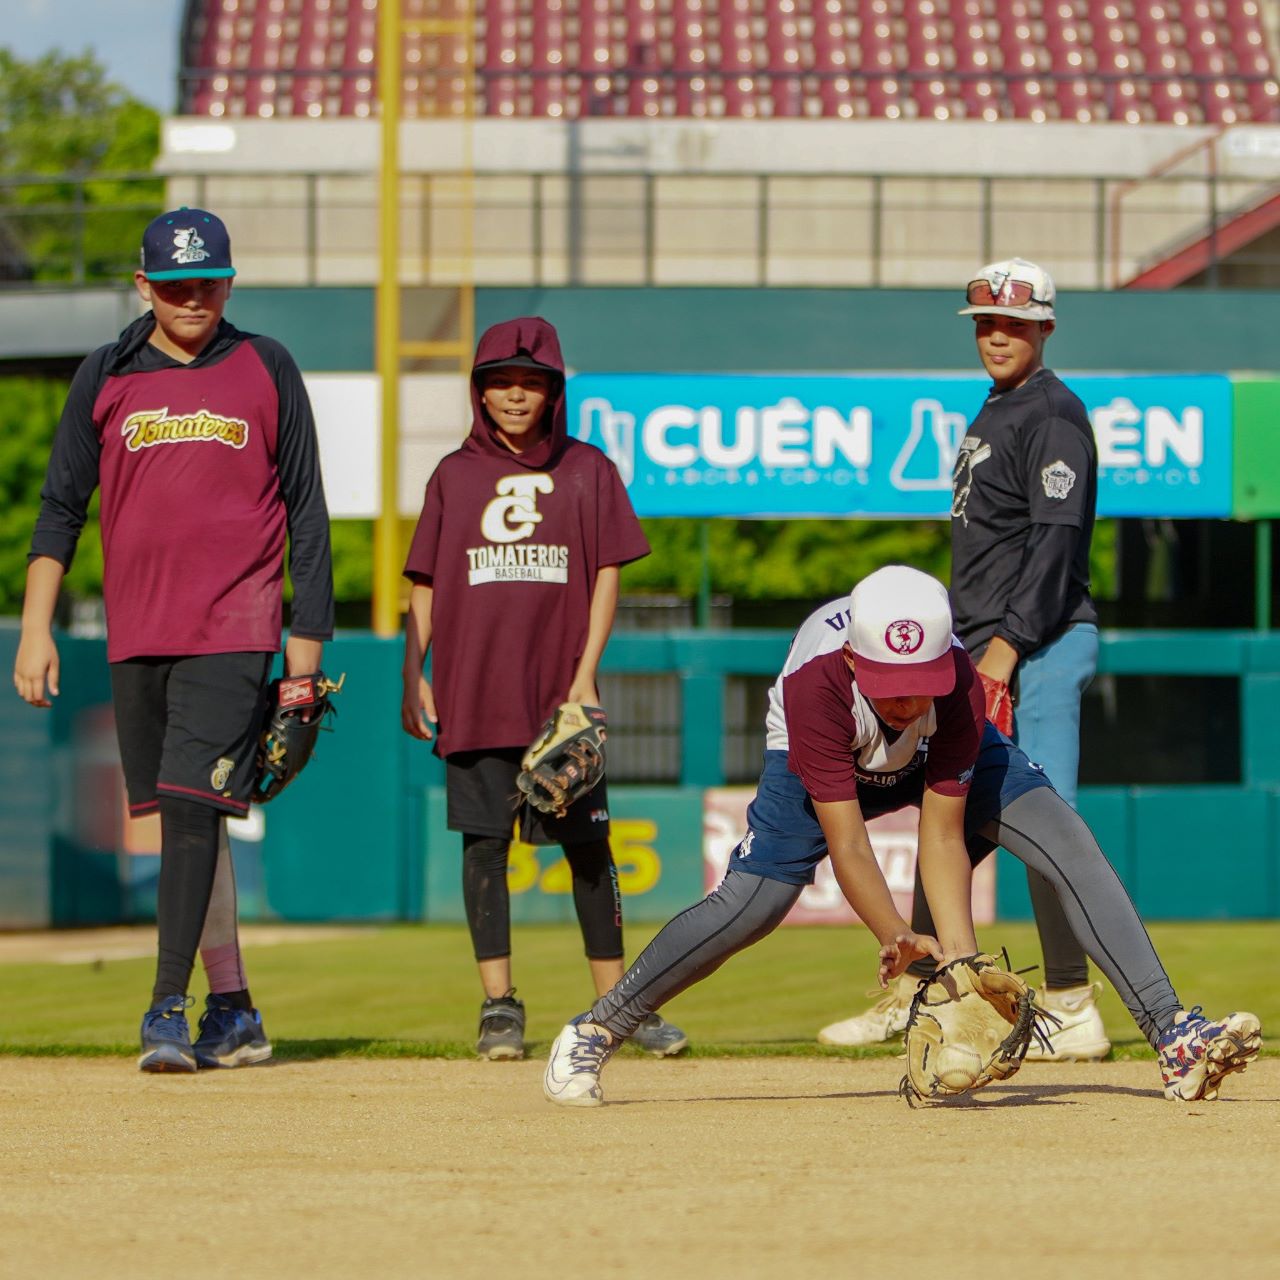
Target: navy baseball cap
(186,244)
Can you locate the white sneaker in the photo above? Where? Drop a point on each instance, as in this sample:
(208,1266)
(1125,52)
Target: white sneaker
(572,1077)
(885,1019)
(1081,1037)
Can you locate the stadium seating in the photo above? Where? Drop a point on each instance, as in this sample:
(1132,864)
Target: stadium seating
(1177,61)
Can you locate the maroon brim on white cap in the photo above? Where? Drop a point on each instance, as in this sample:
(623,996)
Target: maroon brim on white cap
(930,679)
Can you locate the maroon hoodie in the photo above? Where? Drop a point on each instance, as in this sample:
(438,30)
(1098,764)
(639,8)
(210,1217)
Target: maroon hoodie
(512,544)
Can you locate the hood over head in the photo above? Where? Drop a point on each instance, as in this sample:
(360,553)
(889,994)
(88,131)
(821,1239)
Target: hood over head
(527,342)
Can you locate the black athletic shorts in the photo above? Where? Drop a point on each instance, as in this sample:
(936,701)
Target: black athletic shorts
(483,800)
(189,727)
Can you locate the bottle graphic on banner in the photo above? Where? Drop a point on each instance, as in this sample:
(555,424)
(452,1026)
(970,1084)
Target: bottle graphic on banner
(928,457)
(617,434)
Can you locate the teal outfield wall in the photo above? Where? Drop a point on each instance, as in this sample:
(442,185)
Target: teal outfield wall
(362,835)
(707,330)
(676,330)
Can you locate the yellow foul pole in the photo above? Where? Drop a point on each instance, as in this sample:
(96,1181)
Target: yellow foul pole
(392,350)
(386,534)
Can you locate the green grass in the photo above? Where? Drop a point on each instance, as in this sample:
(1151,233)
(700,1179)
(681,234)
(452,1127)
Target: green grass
(408,992)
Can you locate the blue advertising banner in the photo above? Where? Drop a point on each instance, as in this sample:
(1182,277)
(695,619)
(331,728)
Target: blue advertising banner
(781,445)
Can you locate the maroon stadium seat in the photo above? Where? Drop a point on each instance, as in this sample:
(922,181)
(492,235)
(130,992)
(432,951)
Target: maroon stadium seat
(691,57)
(309,94)
(1173,60)
(786,62)
(359,58)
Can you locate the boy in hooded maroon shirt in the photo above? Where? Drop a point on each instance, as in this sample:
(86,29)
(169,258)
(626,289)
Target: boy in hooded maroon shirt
(514,566)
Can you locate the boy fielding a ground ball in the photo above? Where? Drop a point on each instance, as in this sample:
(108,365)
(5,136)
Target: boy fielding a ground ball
(879,707)
(202,442)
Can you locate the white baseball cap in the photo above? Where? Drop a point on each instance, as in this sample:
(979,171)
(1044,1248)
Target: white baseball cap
(1014,287)
(900,634)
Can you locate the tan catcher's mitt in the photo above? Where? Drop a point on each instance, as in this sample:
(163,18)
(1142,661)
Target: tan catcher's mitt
(566,760)
(970,1024)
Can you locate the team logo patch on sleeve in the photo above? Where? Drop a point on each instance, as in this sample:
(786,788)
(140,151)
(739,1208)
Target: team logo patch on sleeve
(1058,479)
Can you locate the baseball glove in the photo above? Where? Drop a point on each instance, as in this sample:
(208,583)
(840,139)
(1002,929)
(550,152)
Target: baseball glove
(970,1024)
(566,760)
(299,706)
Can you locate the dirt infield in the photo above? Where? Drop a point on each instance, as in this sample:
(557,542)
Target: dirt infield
(709,1168)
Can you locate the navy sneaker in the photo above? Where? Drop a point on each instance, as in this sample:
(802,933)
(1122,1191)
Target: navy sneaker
(657,1036)
(166,1039)
(230,1037)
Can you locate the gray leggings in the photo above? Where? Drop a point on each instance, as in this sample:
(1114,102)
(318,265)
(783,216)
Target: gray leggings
(1039,828)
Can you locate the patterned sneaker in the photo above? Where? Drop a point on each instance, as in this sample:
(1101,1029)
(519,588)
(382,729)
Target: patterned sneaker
(230,1037)
(885,1019)
(501,1028)
(1079,1035)
(657,1036)
(572,1077)
(1196,1055)
(166,1039)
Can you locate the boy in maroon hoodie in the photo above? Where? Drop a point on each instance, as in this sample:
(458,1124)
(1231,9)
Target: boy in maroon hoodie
(514,566)
(201,440)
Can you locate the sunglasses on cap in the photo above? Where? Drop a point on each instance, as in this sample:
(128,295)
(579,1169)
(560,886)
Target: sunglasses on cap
(1011,293)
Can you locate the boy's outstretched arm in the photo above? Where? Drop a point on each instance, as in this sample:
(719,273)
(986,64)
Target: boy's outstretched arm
(69,482)
(604,604)
(946,872)
(37,660)
(862,882)
(418,704)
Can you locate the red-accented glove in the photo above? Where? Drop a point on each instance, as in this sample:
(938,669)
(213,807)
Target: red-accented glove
(299,707)
(999,704)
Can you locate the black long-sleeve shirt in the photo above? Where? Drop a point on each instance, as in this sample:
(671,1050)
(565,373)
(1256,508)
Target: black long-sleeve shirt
(203,467)
(1024,493)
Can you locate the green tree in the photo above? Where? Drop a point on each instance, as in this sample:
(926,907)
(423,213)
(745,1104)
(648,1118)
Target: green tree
(782,559)
(62,119)
(29,409)
(808,559)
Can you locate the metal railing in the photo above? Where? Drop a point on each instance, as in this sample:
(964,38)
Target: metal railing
(75,229)
(743,229)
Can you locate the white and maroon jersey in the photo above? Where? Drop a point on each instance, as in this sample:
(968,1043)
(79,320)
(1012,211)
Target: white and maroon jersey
(834,740)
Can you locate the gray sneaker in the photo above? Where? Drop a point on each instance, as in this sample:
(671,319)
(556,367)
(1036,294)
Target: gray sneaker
(657,1036)
(501,1028)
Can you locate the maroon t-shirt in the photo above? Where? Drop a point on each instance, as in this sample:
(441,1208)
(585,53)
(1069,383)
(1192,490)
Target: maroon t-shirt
(512,544)
(201,467)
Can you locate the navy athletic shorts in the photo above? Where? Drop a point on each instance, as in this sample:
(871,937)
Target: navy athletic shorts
(188,727)
(483,800)
(784,839)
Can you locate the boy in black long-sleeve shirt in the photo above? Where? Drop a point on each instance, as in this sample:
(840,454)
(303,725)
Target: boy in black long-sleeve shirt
(202,442)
